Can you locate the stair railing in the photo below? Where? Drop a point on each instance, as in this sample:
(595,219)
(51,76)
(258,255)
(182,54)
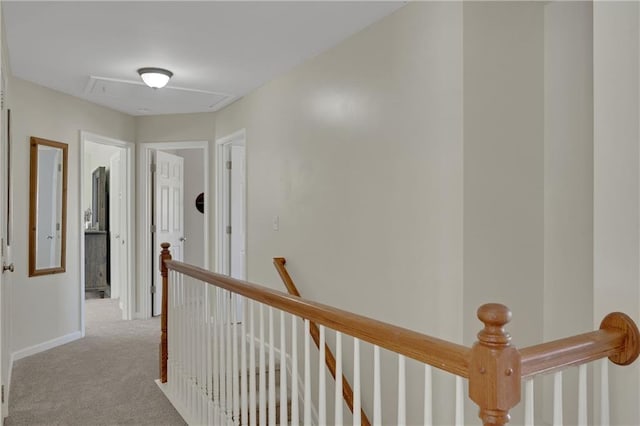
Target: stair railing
(347,391)
(200,359)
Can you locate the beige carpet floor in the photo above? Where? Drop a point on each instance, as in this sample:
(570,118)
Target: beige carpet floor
(107,378)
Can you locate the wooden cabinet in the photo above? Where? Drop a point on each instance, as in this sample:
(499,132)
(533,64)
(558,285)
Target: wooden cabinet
(96,262)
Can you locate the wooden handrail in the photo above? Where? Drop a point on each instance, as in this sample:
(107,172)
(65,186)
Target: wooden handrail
(441,354)
(330,360)
(618,339)
(493,366)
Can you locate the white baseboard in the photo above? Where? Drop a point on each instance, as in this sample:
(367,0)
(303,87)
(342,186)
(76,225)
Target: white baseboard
(181,409)
(41,347)
(7,390)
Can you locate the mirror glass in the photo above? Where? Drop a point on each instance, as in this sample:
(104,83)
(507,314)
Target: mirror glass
(47,210)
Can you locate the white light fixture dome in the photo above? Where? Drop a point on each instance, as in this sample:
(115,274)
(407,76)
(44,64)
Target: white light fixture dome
(155,78)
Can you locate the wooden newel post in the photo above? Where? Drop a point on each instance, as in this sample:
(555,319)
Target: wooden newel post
(164,350)
(494,368)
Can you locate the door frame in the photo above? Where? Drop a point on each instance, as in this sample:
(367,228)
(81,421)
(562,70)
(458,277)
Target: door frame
(129,153)
(145,157)
(238,138)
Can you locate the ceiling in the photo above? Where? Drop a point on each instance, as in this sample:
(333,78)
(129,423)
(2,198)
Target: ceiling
(218,51)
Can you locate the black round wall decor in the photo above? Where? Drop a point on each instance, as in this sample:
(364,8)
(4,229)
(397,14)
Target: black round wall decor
(200,202)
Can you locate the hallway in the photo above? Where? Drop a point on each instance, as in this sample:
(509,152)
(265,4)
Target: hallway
(107,378)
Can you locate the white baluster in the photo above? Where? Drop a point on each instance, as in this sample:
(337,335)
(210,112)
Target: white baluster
(402,400)
(283,371)
(185,331)
(604,392)
(209,372)
(528,403)
(170,330)
(179,344)
(201,348)
(272,373)
(253,409)
(205,389)
(295,418)
(428,396)
(244,408)
(262,393)
(307,375)
(377,400)
(190,345)
(235,367)
(338,393)
(582,395)
(221,355)
(459,401)
(229,364)
(557,399)
(186,353)
(356,383)
(322,392)
(215,343)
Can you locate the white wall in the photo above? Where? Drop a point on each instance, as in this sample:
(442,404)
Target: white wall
(193,219)
(48,307)
(568,172)
(616,52)
(504,164)
(359,152)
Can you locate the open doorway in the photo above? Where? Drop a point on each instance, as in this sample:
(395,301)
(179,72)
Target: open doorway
(174,188)
(106,193)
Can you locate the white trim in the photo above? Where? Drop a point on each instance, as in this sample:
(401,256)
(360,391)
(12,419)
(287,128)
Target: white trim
(180,408)
(238,138)
(129,151)
(145,150)
(45,346)
(5,405)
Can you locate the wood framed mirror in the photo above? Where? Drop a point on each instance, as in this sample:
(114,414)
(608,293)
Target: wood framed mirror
(47,207)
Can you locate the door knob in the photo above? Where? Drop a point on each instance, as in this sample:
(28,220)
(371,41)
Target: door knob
(8,267)
(183,239)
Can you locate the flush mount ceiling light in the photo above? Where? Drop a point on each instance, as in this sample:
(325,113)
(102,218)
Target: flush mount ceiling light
(155,78)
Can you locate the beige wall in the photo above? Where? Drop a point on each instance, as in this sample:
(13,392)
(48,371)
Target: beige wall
(48,307)
(504,164)
(175,127)
(359,153)
(616,51)
(568,171)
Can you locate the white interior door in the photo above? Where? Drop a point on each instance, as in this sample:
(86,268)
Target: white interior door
(115,227)
(168,214)
(237,188)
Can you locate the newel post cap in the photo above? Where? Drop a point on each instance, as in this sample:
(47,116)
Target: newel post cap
(165,254)
(494,316)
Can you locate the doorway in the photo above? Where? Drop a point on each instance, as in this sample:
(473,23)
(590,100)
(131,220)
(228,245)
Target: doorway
(174,188)
(106,216)
(231,215)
